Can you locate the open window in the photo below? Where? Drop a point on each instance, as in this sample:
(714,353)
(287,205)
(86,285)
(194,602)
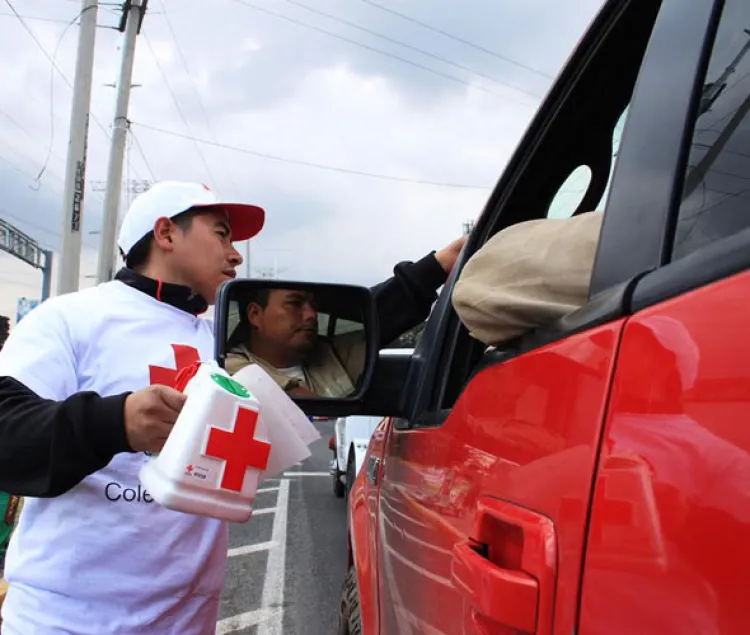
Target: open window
(564,165)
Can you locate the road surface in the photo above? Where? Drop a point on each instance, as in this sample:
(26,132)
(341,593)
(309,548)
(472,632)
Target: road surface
(287,563)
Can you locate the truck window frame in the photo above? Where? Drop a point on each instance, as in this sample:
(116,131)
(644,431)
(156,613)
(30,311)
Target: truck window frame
(447,355)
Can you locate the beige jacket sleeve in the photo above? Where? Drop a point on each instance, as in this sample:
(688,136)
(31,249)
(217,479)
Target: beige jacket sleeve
(527,275)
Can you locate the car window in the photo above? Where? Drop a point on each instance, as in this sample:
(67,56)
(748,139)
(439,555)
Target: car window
(348,326)
(570,196)
(716,194)
(572,162)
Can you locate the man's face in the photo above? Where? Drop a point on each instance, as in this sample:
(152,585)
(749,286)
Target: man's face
(204,253)
(288,323)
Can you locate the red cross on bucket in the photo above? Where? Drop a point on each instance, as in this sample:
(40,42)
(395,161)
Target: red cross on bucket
(239,449)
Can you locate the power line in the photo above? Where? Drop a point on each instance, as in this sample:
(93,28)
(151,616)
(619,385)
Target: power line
(381,52)
(179,109)
(52,96)
(192,83)
(57,68)
(458,39)
(411,47)
(310,164)
(34,18)
(33,139)
(142,153)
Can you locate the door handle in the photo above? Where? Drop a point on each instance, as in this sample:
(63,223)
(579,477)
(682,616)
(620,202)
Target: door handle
(373,469)
(508,572)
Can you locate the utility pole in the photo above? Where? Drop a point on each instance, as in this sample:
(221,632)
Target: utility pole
(75,171)
(132,19)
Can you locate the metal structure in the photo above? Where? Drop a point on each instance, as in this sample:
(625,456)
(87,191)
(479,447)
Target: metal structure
(23,247)
(134,186)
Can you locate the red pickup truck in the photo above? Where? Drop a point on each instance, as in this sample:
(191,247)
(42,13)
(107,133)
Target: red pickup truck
(592,477)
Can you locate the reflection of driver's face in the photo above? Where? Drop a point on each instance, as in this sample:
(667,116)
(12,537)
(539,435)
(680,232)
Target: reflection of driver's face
(289,321)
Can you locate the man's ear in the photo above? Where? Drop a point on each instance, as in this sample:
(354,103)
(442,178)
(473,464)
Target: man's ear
(254,314)
(164,231)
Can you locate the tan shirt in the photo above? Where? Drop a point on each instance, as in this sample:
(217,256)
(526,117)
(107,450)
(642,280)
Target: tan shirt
(328,372)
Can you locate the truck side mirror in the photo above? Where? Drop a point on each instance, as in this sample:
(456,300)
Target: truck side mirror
(318,341)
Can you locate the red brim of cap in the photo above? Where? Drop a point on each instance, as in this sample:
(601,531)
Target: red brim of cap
(245,221)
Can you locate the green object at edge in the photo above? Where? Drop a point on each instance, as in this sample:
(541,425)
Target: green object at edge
(230,385)
(8,511)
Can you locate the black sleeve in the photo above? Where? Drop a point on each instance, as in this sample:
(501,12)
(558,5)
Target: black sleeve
(405,300)
(48,447)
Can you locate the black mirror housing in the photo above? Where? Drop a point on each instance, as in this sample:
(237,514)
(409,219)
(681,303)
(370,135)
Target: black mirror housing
(334,325)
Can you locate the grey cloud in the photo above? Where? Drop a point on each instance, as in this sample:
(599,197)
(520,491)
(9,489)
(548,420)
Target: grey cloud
(538,34)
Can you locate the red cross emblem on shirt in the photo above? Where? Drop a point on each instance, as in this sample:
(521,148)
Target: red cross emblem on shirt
(184,356)
(239,449)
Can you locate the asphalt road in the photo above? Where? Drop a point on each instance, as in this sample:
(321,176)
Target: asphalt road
(287,563)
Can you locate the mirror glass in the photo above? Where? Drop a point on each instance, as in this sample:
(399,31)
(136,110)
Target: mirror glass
(311,338)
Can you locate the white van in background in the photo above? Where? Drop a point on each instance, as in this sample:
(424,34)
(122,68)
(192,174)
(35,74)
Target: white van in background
(351,436)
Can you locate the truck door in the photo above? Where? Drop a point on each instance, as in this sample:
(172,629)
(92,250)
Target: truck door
(486,490)
(669,541)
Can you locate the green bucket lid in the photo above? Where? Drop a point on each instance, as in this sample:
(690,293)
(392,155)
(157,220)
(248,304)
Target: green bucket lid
(230,385)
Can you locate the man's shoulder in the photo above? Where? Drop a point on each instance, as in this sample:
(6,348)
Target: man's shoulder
(68,304)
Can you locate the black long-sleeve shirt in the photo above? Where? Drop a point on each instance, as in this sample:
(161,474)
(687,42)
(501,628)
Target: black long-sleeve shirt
(48,447)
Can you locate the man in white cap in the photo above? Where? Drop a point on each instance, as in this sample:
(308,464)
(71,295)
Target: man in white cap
(85,390)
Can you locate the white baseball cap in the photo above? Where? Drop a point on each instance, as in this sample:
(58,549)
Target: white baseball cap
(168,199)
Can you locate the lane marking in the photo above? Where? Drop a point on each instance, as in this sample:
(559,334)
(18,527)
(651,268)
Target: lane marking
(247,549)
(264,490)
(273,584)
(264,510)
(288,474)
(243,621)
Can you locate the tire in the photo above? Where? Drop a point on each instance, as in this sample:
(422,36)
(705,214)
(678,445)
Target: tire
(351,474)
(339,489)
(350,621)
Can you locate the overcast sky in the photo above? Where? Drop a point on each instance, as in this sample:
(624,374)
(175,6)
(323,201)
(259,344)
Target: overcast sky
(321,86)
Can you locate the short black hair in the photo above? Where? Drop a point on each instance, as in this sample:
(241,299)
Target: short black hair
(259,297)
(243,331)
(137,257)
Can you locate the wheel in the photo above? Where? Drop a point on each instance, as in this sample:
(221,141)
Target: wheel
(339,489)
(350,621)
(351,474)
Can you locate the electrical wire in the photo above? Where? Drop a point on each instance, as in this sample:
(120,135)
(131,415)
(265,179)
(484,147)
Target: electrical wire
(373,49)
(411,47)
(34,18)
(458,39)
(310,164)
(179,109)
(142,153)
(33,139)
(235,191)
(57,68)
(52,98)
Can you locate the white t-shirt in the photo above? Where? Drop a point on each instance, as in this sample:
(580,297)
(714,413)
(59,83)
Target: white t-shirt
(104,558)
